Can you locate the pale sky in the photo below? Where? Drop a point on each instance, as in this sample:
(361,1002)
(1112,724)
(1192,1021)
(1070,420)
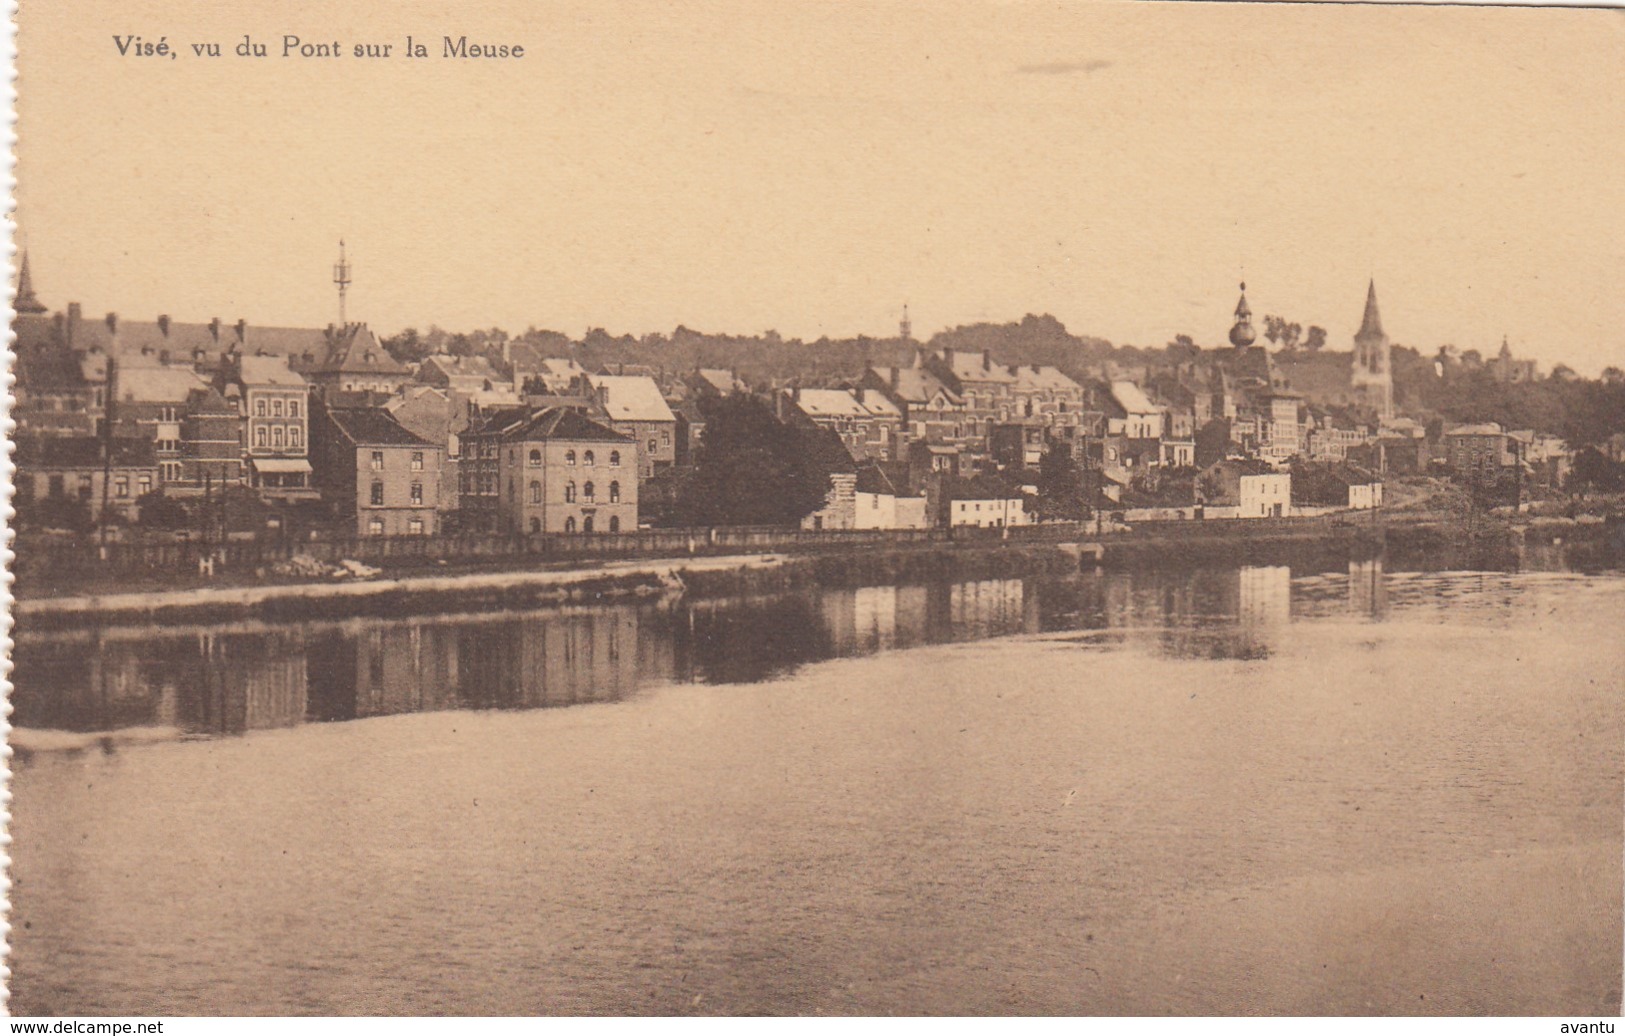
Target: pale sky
(808,167)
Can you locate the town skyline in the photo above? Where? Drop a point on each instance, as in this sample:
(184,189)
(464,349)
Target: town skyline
(1118,167)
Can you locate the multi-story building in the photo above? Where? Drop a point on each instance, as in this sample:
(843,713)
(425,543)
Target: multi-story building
(869,424)
(355,361)
(1047,394)
(480,447)
(273,401)
(634,407)
(1482,453)
(375,473)
(929,411)
(987,389)
(1130,412)
(1251,487)
(560,471)
(211,447)
(73,468)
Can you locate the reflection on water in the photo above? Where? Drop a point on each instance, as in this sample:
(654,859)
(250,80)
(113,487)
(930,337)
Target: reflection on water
(1216,790)
(252,676)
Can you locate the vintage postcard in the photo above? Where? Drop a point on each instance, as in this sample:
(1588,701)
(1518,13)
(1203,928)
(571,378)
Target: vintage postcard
(882,508)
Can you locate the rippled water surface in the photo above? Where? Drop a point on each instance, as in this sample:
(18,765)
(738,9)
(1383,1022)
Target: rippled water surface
(1221,791)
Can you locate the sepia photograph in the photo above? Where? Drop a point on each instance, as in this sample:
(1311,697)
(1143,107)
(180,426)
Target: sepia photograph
(873,509)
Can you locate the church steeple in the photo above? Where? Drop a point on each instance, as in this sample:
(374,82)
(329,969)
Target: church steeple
(1373,377)
(1371,326)
(25,303)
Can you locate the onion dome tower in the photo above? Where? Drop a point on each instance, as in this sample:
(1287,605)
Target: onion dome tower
(1242,334)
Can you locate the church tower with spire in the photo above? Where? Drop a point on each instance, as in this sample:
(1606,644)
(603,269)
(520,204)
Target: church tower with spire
(26,304)
(1373,377)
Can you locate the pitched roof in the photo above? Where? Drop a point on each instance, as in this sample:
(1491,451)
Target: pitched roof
(356,350)
(268,370)
(871,479)
(138,383)
(633,398)
(970,366)
(562,423)
(373,426)
(722,381)
(816,402)
(1132,399)
(1036,378)
(876,403)
(916,385)
(1487,428)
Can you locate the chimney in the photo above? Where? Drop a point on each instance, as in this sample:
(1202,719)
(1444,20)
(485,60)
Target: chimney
(242,330)
(112,323)
(987,360)
(73,322)
(163,324)
(214,328)
(896,378)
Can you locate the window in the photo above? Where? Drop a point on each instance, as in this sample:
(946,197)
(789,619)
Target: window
(535,492)
(417,494)
(614,492)
(414,526)
(294,437)
(276,437)
(259,437)
(170,471)
(570,524)
(588,459)
(614,458)
(535,525)
(375,527)
(653,446)
(143,485)
(377,494)
(417,460)
(259,408)
(570,457)
(121,486)
(587,492)
(586,524)
(614,523)
(55,485)
(569,492)
(535,458)
(276,407)
(665,438)
(293,408)
(377,460)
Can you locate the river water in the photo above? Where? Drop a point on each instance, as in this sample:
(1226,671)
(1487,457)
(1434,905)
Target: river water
(1213,791)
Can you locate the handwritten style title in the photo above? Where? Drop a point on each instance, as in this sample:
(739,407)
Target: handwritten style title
(296,47)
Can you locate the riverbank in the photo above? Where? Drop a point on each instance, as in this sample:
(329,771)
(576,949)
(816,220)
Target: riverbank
(1309,545)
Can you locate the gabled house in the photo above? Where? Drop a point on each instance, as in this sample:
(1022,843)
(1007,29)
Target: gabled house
(559,471)
(374,473)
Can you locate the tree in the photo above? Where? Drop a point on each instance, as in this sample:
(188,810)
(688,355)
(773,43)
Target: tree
(1290,335)
(1613,376)
(1274,328)
(54,512)
(1060,486)
(154,510)
(752,469)
(1316,339)
(406,347)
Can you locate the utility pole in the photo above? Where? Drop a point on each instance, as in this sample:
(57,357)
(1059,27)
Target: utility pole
(109,411)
